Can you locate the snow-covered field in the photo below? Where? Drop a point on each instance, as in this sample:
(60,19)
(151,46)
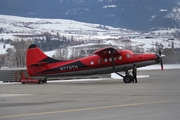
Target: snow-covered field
(151,43)
(4,47)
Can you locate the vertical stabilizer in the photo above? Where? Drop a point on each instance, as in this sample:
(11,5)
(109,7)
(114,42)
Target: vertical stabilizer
(34,55)
(37,62)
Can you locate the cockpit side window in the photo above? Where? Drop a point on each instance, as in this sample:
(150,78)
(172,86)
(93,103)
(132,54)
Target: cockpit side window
(91,62)
(105,60)
(99,61)
(128,55)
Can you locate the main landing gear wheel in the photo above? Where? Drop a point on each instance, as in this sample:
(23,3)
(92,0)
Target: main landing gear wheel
(128,79)
(45,80)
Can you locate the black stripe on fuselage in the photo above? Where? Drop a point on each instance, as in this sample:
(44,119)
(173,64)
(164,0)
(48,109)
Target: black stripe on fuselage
(103,70)
(94,70)
(50,60)
(72,66)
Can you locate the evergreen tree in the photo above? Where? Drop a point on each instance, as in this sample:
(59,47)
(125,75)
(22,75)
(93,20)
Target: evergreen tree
(4,46)
(1,30)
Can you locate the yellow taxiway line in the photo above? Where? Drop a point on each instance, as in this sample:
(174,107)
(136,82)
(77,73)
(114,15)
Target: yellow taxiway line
(86,109)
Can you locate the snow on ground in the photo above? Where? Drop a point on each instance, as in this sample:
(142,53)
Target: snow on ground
(151,67)
(14,25)
(165,31)
(7,36)
(151,43)
(115,76)
(158,67)
(22,25)
(50,53)
(4,47)
(13,95)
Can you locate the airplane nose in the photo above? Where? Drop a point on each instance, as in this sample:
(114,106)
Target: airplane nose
(158,58)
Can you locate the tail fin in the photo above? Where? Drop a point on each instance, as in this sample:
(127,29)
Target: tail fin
(34,55)
(36,60)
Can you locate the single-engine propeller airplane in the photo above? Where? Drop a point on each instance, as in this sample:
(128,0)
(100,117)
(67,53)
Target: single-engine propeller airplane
(103,61)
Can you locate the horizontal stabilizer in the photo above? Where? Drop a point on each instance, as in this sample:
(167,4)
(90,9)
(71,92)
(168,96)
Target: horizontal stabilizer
(39,64)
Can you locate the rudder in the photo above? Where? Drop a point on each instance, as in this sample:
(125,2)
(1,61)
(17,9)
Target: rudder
(34,55)
(37,61)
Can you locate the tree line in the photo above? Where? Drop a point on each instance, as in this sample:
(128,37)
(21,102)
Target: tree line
(16,57)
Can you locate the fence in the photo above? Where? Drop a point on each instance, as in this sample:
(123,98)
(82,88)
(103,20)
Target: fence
(11,74)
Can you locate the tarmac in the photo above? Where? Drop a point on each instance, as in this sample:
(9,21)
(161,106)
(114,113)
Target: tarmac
(156,97)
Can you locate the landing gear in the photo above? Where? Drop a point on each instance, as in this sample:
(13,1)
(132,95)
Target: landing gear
(45,79)
(40,81)
(127,78)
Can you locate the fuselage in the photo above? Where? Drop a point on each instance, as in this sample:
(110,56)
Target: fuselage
(94,64)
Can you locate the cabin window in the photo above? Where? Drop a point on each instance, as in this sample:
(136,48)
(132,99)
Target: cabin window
(128,55)
(92,62)
(105,60)
(114,51)
(120,57)
(110,59)
(115,58)
(99,61)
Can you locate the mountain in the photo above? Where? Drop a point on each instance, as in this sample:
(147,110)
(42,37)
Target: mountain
(13,26)
(18,28)
(130,14)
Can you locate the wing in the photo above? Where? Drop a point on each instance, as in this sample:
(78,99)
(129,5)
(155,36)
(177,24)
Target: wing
(106,52)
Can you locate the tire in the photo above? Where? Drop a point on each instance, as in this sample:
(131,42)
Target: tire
(45,81)
(128,79)
(40,81)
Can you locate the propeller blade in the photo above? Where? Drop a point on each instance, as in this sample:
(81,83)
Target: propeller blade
(160,52)
(162,67)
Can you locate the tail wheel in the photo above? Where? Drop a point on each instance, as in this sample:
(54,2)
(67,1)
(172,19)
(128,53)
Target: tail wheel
(128,79)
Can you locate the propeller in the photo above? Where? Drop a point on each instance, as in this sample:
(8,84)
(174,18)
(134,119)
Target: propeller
(161,62)
(162,67)
(159,52)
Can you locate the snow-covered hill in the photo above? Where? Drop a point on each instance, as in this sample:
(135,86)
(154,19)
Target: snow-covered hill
(132,14)
(13,25)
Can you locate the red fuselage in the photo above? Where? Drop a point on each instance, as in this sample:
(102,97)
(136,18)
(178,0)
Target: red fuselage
(102,62)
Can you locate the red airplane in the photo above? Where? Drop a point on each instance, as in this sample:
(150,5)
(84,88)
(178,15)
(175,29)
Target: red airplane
(103,61)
